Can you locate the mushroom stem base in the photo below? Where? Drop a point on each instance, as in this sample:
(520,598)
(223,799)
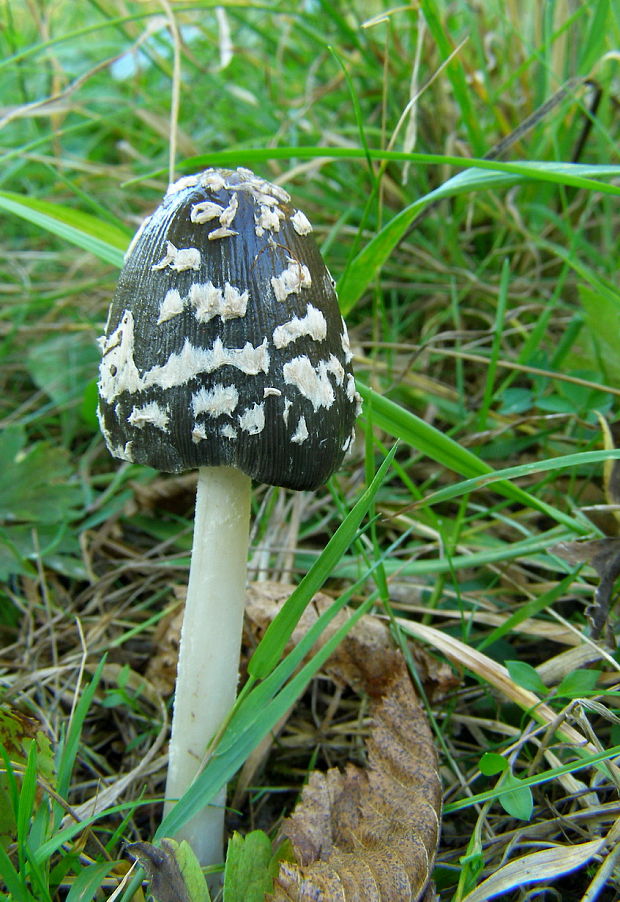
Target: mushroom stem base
(208,668)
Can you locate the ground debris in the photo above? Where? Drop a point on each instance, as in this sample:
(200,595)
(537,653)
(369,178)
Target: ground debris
(365,833)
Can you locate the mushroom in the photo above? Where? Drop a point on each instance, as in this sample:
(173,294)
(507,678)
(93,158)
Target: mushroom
(224,350)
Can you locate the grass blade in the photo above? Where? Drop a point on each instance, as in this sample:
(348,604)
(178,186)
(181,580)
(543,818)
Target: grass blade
(565,462)
(279,631)
(366,265)
(425,438)
(88,232)
(68,749)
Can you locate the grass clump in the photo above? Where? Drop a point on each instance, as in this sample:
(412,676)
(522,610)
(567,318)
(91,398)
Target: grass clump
(486,337)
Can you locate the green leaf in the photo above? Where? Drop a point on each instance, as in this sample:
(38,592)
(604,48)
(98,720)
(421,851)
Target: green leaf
(35,482)
(578,683)
(88,408)
(251,866)
(63,364)
(56,544)
(525,676)
(601,305)
(39,498)
(191,872)
(518,802)
(88,232)
(492,764)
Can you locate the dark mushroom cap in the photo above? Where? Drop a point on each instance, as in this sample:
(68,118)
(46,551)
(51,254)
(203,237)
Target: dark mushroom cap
(224,344)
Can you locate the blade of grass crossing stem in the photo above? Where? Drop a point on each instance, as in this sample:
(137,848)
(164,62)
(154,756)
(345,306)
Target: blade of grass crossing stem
(238,744)
(253,714)
(495,347)
(250,722)
(88,232)
(280,629)
(291,691)
(408,427)
(256,711)
(243,715)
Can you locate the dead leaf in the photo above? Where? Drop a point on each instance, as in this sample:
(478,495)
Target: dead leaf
(369,834)
(604,556)
(173,870)
(19,732)
(360,661)
(161,670)
(548,864)
(365,834)
(173,494)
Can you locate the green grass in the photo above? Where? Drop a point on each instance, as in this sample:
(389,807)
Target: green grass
(482,301)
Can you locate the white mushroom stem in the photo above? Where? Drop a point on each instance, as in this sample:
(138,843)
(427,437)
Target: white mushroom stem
(208,667)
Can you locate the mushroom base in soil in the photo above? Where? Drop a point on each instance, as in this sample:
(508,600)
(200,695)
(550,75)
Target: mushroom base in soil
(224,351)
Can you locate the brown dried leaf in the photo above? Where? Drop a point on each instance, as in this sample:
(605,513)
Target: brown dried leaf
(548,864)
(604,556)
(161,670)
(173,870)
(369,834)
(175,494)
(360,661)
